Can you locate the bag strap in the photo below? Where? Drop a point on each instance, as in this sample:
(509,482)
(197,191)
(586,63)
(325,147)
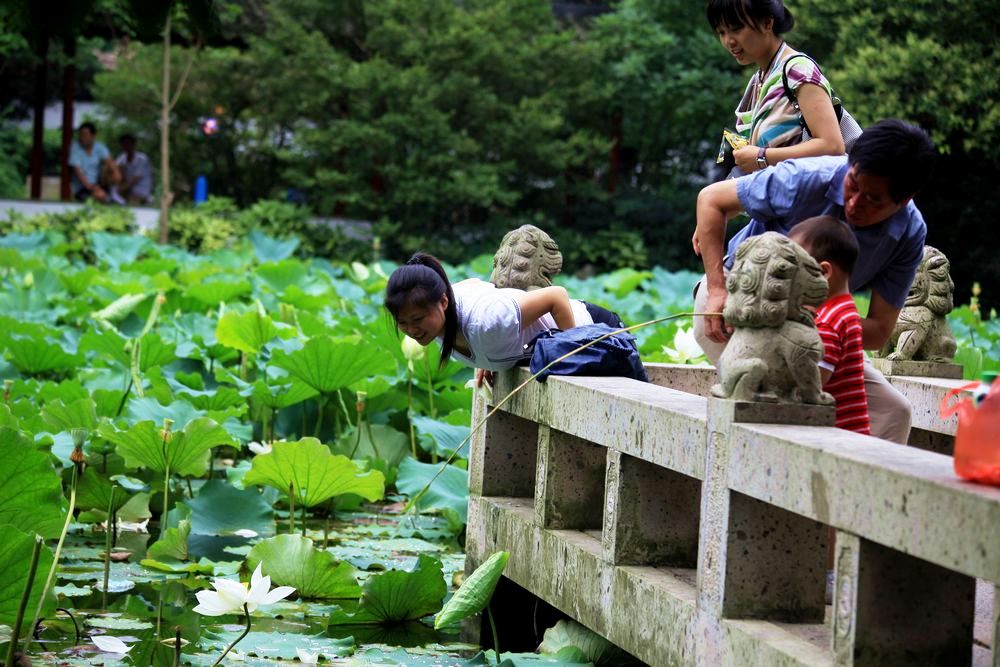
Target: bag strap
(789,93)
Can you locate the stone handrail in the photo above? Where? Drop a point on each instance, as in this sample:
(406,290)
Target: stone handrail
(690,530)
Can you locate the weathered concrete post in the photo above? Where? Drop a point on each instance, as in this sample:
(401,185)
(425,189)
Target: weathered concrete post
(569,488)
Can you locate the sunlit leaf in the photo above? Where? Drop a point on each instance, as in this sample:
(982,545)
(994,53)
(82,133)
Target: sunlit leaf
(450,491)
(327,364)
(173,545)
(15,559)
(186,453)
(594,648)
(247,332)
(313,472)
(292,560)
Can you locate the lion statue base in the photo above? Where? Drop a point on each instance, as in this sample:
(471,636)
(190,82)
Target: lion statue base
(922,332)
(775,348)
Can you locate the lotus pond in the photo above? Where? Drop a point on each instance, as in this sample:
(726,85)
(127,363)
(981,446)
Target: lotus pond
(173,424)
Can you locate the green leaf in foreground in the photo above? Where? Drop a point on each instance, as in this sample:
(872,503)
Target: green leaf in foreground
(15,560)
(396,595)
(314,473)
(186,453)
(327,364)
(450,491)
(594,648)
(30,490)
(292,560)
(475,592)
(246,332)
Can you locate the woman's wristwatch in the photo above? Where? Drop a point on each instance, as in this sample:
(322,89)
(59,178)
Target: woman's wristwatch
(762,158)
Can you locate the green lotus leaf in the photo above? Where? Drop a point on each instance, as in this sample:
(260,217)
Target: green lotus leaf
(292,560)
(377,441)
(279,276)
(247,332)
(16,548)
(186,453)
(117,249)
(211,292)
(315,474)
(150,409)
(277,645)
(30,490)
(270,249)
(327,364)
(220,509)
(594,648)
(278,396)
(396,596)
(173,545)
(450,491)
(475,592)
(440,436)
(36,355)
(93,492)
(61,417)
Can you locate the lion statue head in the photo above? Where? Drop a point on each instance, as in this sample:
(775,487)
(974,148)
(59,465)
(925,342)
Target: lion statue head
(773,280)
(932,286)
(526,259)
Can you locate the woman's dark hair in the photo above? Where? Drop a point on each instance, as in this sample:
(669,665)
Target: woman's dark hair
(901,153)
(828,239)
(422,282)
(753,13)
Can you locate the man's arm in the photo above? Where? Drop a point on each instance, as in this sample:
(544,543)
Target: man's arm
(716,204)
(877,326)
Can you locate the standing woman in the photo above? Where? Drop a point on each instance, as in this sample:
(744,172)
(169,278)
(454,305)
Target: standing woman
(477,323)
(751,31)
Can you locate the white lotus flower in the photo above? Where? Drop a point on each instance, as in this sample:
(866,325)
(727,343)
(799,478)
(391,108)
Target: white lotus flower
(245,532)
(306,657)
(685,348)
(259,448)
(412,350)
(230,596)
(109,644)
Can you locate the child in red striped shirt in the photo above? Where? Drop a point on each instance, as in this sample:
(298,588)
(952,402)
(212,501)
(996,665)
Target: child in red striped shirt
(833,245)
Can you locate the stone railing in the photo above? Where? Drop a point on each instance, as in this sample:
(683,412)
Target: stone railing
(695,531)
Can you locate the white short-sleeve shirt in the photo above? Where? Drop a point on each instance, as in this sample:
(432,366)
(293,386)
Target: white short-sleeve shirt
(490,319)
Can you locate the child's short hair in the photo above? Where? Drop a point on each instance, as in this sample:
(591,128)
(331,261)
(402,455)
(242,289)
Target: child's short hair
(827,239)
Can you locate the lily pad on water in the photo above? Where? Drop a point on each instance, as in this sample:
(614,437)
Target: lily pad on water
(440,436)
(186,453)
(314,473)
(220,509)
(73,591)
(173,545)
(117,622)
(15,560)
(292,560)
(396,595)
(278,645)
(30,490)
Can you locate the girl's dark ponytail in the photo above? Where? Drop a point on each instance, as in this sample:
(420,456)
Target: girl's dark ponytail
(422,280)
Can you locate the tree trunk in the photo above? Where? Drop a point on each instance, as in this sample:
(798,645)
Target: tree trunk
(69,83)
(166,197)
(38,129)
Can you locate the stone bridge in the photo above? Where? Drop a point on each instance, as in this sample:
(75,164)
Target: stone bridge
(695,531)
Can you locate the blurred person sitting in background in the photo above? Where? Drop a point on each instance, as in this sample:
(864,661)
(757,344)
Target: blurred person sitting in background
(137,172)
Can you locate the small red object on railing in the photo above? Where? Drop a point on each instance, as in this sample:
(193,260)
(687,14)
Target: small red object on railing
(977,439)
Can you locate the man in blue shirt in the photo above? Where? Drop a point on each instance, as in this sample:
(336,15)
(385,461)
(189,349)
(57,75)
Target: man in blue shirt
(87,157)
(871,190)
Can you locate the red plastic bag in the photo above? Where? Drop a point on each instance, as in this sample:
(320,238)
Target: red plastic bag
(977,440)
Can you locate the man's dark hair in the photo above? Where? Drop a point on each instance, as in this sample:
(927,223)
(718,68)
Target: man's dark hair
(897,151)
(127,137)
(827,239)
(88,126)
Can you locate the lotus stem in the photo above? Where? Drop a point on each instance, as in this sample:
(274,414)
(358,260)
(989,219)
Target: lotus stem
(165,434)
(177,645)
(409,412)
(430,388)
(493,627)
(7,386)
(55,561)
(343,407)
(135,368)
(107,550)
(229,648)
(23,604)
(413,501)
(76,626)
(121,404)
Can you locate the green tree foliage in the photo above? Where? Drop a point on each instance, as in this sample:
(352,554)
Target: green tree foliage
(932,62)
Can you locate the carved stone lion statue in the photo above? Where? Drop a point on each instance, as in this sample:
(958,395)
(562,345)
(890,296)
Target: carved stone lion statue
(526,259)
(922,332)
(775,348)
